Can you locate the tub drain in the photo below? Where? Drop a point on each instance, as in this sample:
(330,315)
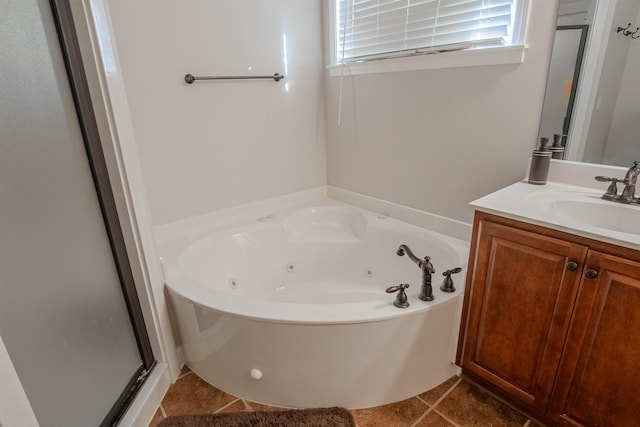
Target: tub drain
(233,283)
(290,267)
(368,273)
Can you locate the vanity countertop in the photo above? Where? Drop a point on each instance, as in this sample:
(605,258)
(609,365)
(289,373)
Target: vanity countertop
(570,208)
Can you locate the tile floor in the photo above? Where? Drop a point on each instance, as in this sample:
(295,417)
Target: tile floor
(456,402)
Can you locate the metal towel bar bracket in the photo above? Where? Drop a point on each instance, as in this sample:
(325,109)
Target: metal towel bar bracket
(190,78)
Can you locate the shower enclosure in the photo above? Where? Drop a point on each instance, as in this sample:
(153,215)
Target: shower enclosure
(69,314)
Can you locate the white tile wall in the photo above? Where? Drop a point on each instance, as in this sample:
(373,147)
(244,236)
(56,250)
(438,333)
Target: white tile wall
(212,145)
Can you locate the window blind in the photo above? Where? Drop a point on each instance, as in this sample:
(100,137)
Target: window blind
(384,28)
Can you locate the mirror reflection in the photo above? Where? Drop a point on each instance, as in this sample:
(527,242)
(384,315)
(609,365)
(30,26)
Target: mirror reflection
(593,90)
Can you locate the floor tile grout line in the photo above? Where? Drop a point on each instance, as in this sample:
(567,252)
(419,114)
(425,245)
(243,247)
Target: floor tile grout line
(453,423)
(424,414)
(421,417)
(184,375)
(163,412)
(423,401)
(432,407)
(227,405)
(446,393)
(248,406)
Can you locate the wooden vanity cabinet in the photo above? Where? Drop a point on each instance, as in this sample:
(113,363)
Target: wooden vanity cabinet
(518,302)
(551,323)
(598,381)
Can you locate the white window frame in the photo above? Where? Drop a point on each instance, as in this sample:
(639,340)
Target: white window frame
(496,55)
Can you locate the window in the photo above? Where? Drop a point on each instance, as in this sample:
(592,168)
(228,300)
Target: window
(369,30)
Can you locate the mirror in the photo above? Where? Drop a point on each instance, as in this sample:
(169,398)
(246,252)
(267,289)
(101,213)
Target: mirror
(593,88)
(562,82)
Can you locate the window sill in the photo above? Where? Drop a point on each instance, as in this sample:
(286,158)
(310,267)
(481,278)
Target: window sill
(460,58)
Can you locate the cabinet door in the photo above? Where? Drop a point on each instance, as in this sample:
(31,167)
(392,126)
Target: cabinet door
(520,298)
(598,381)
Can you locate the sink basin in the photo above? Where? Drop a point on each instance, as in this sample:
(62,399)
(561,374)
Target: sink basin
(570,208)
(608,215)
(590,210)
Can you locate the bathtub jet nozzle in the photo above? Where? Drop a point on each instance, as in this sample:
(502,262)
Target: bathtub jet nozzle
(426,291)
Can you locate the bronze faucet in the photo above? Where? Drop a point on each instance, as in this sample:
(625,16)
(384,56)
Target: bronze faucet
(629,181)
(426,291)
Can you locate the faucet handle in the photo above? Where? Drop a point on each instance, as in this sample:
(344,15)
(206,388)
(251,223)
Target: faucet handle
(401,299)
(447,284)
(396,288)
(628,193)
(612,190)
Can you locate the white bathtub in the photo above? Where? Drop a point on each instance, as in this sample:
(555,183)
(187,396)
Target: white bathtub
(291,310)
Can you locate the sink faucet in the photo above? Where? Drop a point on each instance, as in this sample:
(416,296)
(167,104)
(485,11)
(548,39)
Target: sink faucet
(426,291)
(629,181)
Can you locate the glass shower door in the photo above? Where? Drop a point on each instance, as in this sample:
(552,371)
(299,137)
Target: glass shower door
(63,315)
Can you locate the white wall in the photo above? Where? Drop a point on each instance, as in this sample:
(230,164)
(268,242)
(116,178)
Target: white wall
(622,143)
(436,139)
(212,145)
(576,12)
(609,84)
(433,140)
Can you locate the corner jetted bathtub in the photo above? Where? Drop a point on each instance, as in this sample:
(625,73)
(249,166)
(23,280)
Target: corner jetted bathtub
(290,309)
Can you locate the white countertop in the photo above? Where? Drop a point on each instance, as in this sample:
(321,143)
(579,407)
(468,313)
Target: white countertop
(537,204)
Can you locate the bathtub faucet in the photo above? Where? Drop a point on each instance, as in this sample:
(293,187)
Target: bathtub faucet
(426,291)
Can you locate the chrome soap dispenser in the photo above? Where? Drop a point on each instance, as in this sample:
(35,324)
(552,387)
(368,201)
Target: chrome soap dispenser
(540,161)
